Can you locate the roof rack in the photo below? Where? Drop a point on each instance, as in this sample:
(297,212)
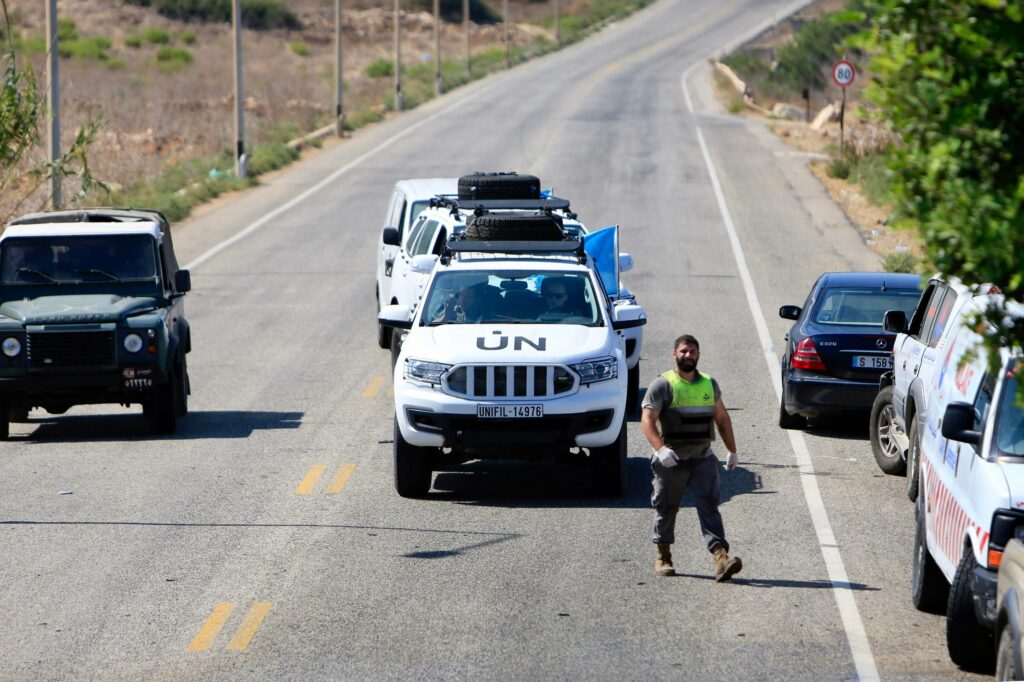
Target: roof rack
(572,248)
(479,205)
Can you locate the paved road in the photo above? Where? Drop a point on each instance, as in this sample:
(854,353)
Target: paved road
(264,540)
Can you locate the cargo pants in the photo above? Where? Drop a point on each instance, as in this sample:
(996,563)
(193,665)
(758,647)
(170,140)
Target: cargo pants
(701,476)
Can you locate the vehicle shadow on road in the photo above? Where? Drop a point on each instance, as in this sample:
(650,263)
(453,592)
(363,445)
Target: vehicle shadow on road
(133,427)
(767,582)
(842,427)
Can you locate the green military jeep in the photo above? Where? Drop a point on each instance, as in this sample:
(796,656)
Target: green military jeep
(92,311)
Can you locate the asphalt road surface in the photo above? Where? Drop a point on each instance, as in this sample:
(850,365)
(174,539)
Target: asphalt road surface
(264,540)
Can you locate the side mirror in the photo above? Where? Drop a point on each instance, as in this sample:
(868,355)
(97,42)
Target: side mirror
(390,237)
(396,316)
(182,281)
(790,312)
(423,264)
(958,422)
(895,321)
(625,262)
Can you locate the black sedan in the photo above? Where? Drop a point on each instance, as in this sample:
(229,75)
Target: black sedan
(836,351)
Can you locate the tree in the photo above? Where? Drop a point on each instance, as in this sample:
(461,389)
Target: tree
(949,76)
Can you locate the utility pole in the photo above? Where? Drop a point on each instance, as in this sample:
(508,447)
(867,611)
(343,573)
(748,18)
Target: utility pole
(241,158)
(438,86)
(558,27)
(508,53)
(53,99)
(339,86)
(469,48)
(399,99)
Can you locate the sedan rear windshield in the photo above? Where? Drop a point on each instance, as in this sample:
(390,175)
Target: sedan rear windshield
(1009,435)
(862,307)
(47,260)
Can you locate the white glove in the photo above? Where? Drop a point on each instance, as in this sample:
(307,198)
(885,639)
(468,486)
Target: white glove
(667,456)
(731,463)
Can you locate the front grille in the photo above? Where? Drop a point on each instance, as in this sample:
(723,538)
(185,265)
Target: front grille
(510,381)
(70,349)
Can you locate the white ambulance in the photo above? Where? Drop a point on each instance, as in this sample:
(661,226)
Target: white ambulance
(970,502)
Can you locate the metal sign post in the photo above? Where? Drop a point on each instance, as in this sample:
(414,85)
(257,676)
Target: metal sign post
(339,85)
(843,74)
(469,47)
(53,100)
(438,85)
(241,159)
(399,99)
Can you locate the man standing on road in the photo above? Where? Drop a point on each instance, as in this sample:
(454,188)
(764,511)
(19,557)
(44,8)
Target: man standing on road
(688,405)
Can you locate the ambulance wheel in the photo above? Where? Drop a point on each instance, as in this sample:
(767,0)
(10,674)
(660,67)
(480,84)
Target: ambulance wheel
(913,460)
(969,643)
(883,430)
(633,388)
(929,591)
(608,467)
(413,467)
(787,420)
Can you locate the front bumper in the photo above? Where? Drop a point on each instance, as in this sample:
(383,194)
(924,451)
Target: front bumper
(77,388)
(591,417)
(811,394)
(983,591)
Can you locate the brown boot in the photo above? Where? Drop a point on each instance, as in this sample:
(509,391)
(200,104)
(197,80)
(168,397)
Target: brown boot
(663,564)
(725,567)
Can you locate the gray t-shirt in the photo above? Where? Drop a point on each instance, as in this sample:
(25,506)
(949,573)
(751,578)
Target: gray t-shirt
(659,398)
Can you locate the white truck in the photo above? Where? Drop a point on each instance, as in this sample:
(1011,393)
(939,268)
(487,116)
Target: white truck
(970,502)
(490,367)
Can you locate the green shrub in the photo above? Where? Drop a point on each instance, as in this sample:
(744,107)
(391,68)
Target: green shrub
(256,14)
(115,64)
(264,158)
(66,30)
(187,37)
(361,117)
(33,44)
(156,36)
(381,68)
(133,41)
(901,261)
(173,58)
(839,168)
(94,47)
(300,48)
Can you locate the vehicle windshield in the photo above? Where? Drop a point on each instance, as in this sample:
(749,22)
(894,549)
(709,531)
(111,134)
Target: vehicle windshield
(511,296)
(1009,435)
(862,307)
(48,260)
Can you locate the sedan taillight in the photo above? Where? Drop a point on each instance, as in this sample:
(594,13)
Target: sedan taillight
(806,356)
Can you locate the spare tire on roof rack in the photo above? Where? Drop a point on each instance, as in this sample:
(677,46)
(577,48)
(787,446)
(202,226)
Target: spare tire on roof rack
(531,228)
(508,185)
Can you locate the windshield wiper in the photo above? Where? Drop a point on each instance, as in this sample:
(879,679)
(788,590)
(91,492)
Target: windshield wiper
(97,271)
(40,273)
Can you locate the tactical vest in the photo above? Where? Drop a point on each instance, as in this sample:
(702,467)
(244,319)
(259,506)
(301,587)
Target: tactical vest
(694,403)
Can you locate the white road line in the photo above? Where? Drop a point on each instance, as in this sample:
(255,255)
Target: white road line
(860,647)
(354,163)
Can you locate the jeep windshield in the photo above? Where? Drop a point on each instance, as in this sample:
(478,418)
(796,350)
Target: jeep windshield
(512,296)
(74,260)
(1009,435)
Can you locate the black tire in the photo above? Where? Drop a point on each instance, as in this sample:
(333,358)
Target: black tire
(184,388)
(19,414)
(913,460)
(161,408)
(499,186)
(929,590)
(633,388)
(787,420)
(608,467)
(883,429)
(1006,658)
(5,419)
(413,467)
(533,228)
(969,642)
(383,331)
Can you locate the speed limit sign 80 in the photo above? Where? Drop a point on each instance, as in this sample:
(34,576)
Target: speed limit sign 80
(843,73)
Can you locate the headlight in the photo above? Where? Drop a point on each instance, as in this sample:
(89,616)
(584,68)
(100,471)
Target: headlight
(598,369)
(133,343)
(11,346)
(425,372)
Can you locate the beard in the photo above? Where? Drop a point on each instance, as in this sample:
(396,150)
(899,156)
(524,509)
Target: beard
(686,365)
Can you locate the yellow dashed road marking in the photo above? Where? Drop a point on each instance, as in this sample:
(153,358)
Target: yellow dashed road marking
(211,628)
(316,472)
(252,622)
(341,478)
(373,389)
